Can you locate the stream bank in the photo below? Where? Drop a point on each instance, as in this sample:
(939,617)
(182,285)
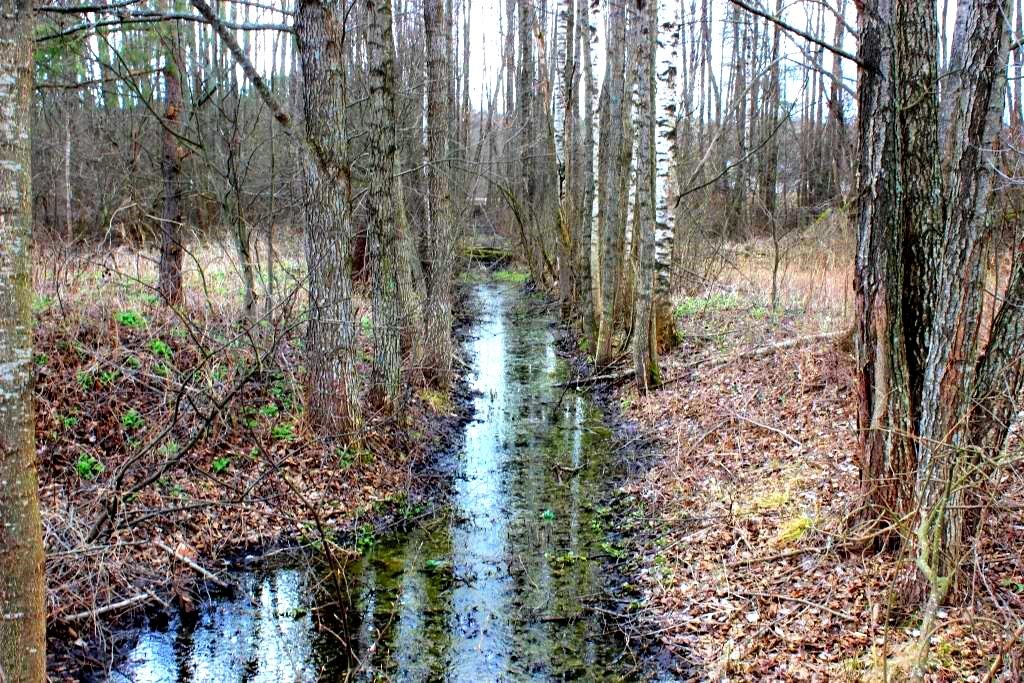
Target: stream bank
(509,583)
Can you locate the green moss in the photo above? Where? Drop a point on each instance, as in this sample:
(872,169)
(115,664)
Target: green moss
(794,529)
(516,277)
(439,401)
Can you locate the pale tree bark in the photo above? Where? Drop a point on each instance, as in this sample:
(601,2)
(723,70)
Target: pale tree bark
(171,248)
(565,103)
(970,117)
(511,77)
(382,230)
(22,598)
(611,216)
(645,354)
(665,140)
(332,396)
(441,234)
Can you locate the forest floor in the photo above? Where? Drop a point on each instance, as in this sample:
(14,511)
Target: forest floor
(749,569)
(187,429)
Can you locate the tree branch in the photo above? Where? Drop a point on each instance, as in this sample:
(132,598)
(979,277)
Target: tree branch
(803,34)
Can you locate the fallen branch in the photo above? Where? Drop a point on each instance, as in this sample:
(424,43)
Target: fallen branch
(759,352)
(202,571)
(997,663)
(112,607)
(790,598)
(772,558)
(591,380)
(788,437)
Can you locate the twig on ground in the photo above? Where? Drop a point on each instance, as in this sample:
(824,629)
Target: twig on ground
(202,571)
(997,663)
(759,352)
(788,437)
(790,598)
(112,607)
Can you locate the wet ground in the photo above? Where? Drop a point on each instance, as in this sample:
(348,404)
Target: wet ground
(506,585)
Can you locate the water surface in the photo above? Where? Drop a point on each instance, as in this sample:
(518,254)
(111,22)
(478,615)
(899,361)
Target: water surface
(506,585)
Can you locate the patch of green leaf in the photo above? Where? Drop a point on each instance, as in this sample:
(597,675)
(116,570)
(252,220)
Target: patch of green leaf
(433,566)
(716,301)
(41,303)
(130,318)
(219,465)
(365,538)
(283,432)
(85,380)
(88,466)
(612,550)
(132,420)
(161,349)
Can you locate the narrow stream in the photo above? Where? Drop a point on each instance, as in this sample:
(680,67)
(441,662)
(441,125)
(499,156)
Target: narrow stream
(503,587)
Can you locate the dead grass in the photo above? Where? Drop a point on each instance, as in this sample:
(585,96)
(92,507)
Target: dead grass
(754,573)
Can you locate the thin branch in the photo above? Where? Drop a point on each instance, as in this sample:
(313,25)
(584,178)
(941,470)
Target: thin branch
(803,34)
(243,61)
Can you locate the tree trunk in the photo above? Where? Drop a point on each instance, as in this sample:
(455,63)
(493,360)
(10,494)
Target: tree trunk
(924,183)
(440,220)
(564,138)
(332,398)
(532,244)
(382,233)
(171,248)
(586,175)
(611,217)
(22,597)
(645,356)
(970,117)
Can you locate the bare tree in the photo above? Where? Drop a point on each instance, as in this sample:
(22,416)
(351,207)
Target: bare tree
(612,152)
(171,249)
(645,352)
(22,602)
(440,218)
(925,182)
(383,234)
(332,397)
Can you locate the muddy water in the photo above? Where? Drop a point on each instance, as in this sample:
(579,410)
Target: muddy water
(502,587)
